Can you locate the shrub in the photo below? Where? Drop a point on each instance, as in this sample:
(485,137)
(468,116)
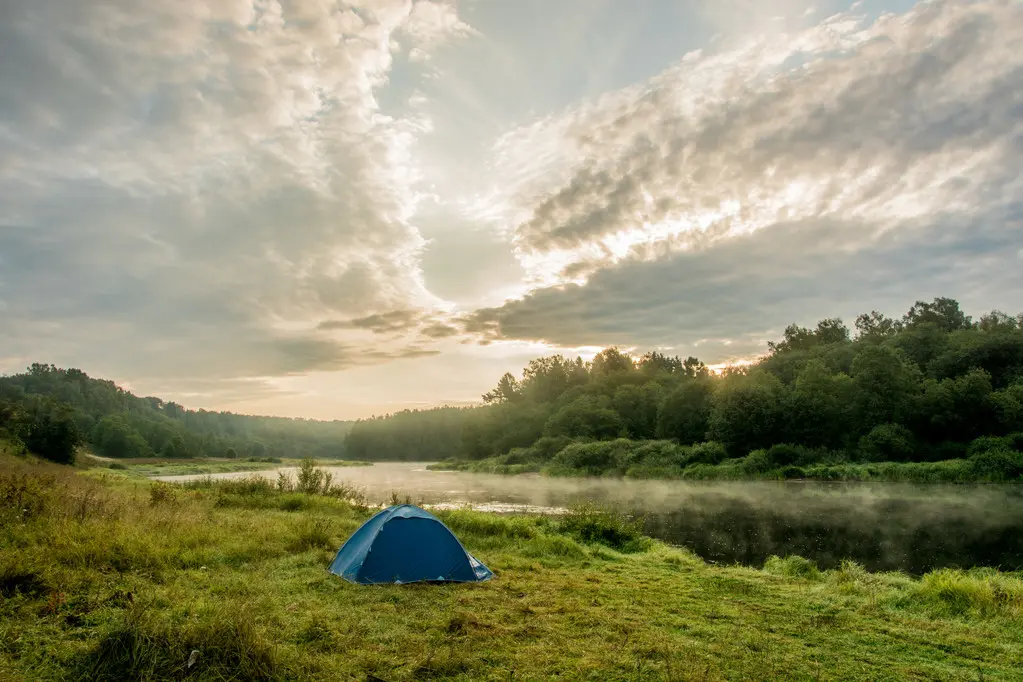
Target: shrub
(1015,441)
(592,459)
(888,443)
(986,443)
(709,452)
(312,480)
(784,454)
(791,472)
(592,524)
(997,465)
(756,462)
(661,453)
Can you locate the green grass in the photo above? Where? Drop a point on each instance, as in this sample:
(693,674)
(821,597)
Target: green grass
(147,468)
(109,578)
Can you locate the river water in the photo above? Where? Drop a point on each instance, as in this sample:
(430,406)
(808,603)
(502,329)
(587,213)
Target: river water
(884,526)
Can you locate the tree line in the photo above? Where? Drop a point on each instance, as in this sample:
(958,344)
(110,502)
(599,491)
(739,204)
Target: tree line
(926,387)
(51,411)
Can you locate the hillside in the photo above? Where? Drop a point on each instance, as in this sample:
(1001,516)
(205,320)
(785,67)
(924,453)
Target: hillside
(52,410)
(932,386)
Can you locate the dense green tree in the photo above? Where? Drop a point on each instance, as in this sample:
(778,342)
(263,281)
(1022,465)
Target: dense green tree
(611,361)
(638,405)
(166,426)
(875,327)
(685,414)
(887,385)
(508,390)
(587,417)
(818,408)
(958,409)
(944,313)
(748,412)
(545,379)
(52,431)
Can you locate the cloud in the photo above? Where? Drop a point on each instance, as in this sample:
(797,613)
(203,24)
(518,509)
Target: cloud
(380,323)
(846,120)
(849,165)
(728,300)
(186,187)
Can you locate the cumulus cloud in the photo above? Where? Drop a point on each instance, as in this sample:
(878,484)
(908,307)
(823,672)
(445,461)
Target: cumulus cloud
(848,119)
(190,185)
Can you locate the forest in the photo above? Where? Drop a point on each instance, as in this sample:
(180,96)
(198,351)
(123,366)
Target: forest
(933,388)
(51,411)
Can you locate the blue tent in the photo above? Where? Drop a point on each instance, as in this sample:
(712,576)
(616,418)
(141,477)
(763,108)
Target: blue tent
(405,544)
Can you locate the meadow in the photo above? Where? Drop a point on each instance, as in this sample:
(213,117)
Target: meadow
(105,577)
(149,467)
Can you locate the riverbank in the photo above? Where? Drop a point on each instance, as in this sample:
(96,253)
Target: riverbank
(624,459)
(150,467)
(104,577)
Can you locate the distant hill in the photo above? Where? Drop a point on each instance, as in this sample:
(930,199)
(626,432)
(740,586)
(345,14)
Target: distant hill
(48,402)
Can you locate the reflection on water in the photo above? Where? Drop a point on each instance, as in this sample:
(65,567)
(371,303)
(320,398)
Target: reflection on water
(883,526)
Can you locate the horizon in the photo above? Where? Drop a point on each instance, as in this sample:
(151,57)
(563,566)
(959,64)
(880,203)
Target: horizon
(334,210)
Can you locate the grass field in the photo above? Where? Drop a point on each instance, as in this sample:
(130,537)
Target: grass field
(104,577)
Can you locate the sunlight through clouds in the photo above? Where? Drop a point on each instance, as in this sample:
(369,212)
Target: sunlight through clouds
(310,197)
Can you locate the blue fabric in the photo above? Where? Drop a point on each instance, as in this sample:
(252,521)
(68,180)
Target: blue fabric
(406,544)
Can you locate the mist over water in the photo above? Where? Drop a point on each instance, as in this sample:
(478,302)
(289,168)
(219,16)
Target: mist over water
(884,526)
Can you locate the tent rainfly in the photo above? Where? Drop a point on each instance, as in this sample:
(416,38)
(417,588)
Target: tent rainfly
(406,544)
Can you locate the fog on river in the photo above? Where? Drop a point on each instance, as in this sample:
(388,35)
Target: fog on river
(885,526)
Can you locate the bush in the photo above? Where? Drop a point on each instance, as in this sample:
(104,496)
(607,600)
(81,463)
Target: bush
(997,465)
(592,524)
(709,452)
(756,462)
(53,433)
(791,472)
(888,443)
(1015,441)
(986,443)
(784,455)
(592,459)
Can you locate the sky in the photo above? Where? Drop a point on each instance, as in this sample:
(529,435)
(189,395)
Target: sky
(337,209)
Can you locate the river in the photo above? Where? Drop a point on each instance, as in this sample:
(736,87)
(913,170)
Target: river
(883,526)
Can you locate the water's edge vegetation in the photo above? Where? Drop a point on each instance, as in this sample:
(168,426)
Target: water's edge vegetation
(104,577)
(931,397)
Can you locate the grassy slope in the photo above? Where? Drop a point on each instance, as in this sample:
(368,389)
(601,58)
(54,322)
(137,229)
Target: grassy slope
(100,582)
